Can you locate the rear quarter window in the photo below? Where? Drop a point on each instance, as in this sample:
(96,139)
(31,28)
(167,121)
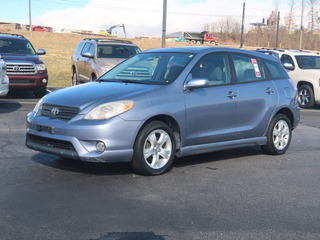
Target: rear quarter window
(275,70)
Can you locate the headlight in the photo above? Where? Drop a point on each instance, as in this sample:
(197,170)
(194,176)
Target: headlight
(41,67)
(39,105)
(109,110)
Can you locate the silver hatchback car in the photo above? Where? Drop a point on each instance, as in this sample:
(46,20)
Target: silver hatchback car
(164,103)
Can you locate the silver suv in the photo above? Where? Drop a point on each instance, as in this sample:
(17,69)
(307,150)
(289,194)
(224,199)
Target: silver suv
(4,80)
(304,69)
(170,102)
(94,57)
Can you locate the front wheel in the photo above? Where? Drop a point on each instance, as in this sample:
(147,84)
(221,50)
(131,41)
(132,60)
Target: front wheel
(305,96)
(278,135)
(154,149)
(74,78)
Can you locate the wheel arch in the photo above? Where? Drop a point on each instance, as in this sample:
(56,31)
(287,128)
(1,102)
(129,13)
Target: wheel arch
(171,122)
(303,82)
(288,113)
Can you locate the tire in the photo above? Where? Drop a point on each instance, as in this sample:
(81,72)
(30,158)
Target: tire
(305,96)
(278,135)
(74,78)
(40,93)
(193,42)
(154,149)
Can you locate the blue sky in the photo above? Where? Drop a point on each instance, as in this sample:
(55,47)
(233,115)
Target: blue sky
(141,17)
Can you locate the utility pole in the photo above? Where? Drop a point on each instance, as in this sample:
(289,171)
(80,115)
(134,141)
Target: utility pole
(30,15)
(301,28)
(164,23)
(277,40)
(242,26)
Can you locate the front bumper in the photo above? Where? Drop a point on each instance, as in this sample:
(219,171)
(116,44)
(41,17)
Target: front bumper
(28,81)
(77,139)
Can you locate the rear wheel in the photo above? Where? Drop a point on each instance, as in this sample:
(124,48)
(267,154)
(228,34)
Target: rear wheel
(154,149)
(278,135)
(305,96)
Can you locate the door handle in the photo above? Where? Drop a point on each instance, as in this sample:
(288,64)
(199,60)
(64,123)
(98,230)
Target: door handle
(231,95)
(269,91)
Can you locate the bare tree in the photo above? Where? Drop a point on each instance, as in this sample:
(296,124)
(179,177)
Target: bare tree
(290,22)
(313,13)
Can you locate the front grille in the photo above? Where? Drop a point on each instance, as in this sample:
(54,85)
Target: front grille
(49,142)
(22,81)
(59,112)
(21,69)
(132,73)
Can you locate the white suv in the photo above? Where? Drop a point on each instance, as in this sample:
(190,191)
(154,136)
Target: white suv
(304,69)
(4,80)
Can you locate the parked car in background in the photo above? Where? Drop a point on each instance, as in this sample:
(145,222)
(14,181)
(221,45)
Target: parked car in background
(40,29)
(304,69)
(4,80)
(269,51)
(170,102)
(26,71)
(94,57)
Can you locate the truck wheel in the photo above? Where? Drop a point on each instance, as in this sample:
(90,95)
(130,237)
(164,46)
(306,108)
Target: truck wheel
(154,149)
(40,93)
(213,43)
(305,96)
(193,41)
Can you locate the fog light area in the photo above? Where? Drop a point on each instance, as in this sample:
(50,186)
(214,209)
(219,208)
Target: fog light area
(100,146)
(44,80)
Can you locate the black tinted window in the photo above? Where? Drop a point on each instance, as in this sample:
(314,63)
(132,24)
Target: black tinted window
(286,59)
(16,46)
(248,69)
(276,70)
(116,51)
(308,62)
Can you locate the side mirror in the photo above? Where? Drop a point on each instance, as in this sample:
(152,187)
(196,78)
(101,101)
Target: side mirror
(87,54)
(196,83)
(288,66)
(41,51)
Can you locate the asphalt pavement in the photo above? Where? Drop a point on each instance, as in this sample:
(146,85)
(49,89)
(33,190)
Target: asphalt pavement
(235,194)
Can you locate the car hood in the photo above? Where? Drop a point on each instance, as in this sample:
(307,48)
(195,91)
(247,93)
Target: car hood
(29,58)
(95,93)
(110,62)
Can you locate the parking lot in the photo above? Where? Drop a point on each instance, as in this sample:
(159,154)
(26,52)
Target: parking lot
(234,194)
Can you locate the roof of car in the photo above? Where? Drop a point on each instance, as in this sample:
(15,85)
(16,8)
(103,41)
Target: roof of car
(211,49)
(108,41)
(295,52)
(11,36)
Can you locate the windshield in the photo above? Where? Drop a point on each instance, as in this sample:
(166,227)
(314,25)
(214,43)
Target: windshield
(14,46)
(117,51)
(150,68)
(308,62)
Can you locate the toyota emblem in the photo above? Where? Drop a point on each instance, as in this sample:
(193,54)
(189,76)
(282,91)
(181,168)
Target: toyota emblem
(16,68)
(54,111)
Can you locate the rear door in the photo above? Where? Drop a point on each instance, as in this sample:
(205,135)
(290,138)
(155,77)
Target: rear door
(212,112)
(257,98)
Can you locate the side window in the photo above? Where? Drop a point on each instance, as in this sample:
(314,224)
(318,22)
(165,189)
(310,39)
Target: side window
(248,69)
(86,48)
(214,67)
(276,70)
(78,49)
(92,49)
(286,59)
